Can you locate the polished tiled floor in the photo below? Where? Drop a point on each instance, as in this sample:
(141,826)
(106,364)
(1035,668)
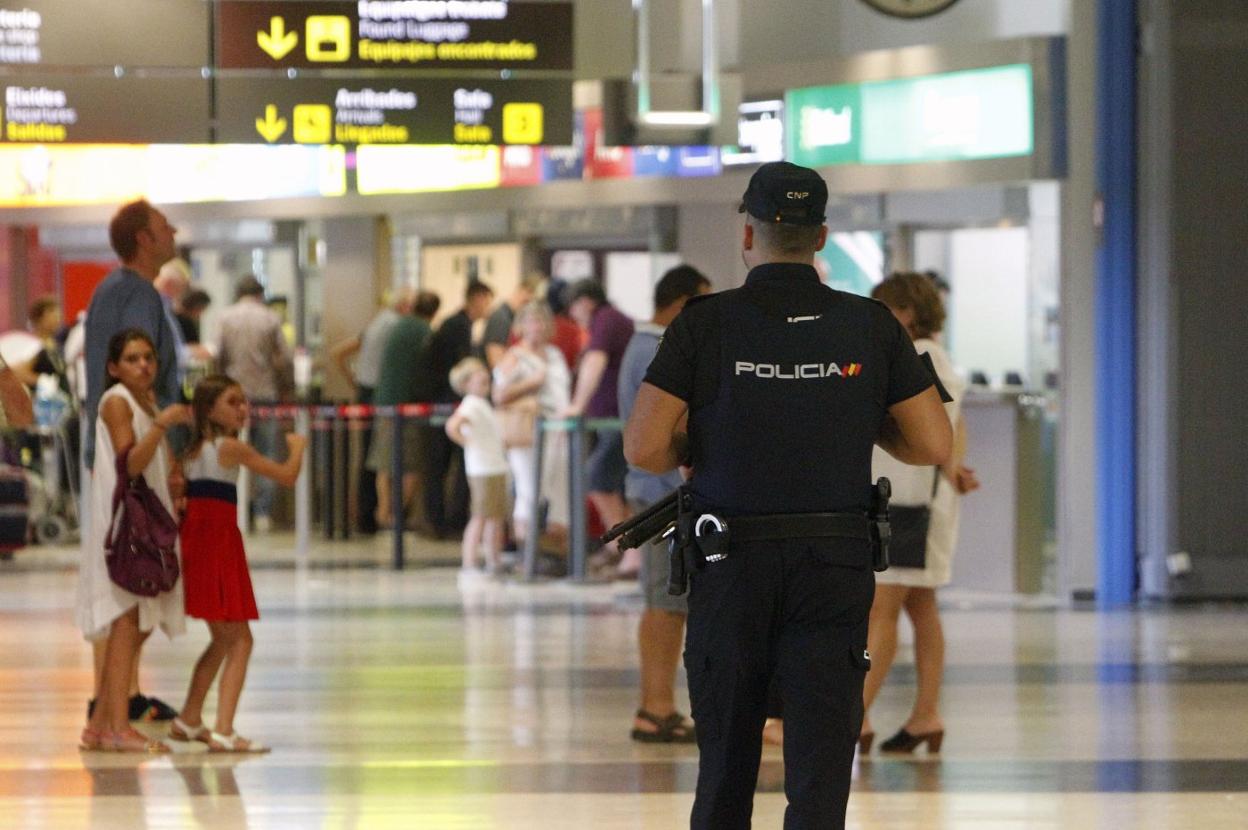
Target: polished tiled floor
(395,701)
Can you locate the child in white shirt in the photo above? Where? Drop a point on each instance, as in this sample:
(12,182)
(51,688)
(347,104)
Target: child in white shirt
(475,428)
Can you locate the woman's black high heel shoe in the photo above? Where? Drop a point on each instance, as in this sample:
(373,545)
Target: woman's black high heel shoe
(904,742)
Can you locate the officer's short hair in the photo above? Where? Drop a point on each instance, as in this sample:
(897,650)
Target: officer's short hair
(589,288)
(787,239)
(679,283)
(123,230)
(917,292)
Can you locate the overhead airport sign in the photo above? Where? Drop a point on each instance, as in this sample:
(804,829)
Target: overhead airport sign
(174,33)
(405,111)
(760,131)
(394,34)
(58,109)
(955,116)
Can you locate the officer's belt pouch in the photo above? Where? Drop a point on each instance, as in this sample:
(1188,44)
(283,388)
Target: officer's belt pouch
(908,546)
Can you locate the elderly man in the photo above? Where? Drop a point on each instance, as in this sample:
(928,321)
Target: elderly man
(252,349)
(359,359)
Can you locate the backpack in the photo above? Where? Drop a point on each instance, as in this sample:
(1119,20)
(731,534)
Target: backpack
(141,554)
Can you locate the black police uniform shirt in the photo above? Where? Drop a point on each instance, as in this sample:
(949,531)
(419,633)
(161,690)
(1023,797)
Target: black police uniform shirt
(788,383)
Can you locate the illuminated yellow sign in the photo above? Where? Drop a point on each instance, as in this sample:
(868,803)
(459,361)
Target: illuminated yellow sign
(272,126)
(86,174)
(523,123)
(314,124)
(328,38)
(277,43)
(426,169)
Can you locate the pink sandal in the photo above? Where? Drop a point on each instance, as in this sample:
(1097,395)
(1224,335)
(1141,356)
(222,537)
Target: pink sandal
(131,740)
(90,739)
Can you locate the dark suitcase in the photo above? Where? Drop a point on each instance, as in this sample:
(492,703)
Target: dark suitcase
(14,508)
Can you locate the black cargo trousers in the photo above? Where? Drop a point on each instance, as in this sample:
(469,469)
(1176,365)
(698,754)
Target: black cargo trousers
(796,610)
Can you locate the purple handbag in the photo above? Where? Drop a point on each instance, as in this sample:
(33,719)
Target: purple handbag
(141,540)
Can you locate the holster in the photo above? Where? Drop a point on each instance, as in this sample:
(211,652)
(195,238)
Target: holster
(881,530)
(681,555)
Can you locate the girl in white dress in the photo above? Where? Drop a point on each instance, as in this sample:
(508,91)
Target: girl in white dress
(916,303)
(127,419)
(534,367)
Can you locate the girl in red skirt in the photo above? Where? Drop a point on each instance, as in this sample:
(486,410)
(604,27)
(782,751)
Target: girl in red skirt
(214,564)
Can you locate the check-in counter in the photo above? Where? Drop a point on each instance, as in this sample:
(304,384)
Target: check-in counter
(1006,540)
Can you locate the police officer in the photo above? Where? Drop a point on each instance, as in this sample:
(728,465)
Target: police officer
(775,393)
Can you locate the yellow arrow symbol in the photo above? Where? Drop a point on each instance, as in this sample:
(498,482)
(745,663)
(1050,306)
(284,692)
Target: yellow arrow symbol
(271,127)
(277,42)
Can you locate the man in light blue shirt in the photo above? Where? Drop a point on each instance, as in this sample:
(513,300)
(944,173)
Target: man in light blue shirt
(662,630)
(143,240)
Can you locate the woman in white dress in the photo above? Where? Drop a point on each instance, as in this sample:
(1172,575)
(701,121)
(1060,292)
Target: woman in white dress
(915,302)
(535,367)
(127,419)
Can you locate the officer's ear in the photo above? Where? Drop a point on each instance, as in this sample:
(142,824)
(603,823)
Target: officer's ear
(747,239)
(823,237)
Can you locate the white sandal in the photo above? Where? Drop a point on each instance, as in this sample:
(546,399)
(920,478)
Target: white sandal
(180,730)
(233,743)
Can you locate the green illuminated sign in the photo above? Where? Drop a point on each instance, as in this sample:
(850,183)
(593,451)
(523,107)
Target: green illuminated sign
(956,116)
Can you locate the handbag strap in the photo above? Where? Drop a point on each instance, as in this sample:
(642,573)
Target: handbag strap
(119,495)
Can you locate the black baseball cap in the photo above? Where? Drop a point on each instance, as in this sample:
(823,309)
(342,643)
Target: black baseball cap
(786,193)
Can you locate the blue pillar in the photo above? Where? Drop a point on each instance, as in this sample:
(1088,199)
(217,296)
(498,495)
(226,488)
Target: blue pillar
(1115,302)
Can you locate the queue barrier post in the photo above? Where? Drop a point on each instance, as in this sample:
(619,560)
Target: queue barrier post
(243,488)
(325,422)
(577,532)
(303,496)
(342,458)
(398,554)
(533,539)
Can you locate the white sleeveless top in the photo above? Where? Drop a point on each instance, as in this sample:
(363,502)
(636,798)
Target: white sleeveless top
(100,601)
(207,464)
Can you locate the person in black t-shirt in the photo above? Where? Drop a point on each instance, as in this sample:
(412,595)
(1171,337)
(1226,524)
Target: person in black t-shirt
(775,394)
(451,343)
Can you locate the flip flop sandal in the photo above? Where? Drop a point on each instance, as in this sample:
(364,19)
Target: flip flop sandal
(233,743)
(673,729)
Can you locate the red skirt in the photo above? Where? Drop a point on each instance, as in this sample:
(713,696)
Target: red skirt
(215,578)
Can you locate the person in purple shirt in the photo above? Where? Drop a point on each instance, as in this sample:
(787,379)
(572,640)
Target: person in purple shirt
(597,396)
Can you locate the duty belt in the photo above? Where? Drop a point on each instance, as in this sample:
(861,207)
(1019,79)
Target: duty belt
(799,526)
(698,539)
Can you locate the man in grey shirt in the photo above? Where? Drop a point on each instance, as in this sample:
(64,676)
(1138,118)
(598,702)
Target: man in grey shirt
(253,351)
(498,325)
(367,349)
(661,633)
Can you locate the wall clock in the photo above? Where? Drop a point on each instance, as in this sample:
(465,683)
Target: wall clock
(910,8)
